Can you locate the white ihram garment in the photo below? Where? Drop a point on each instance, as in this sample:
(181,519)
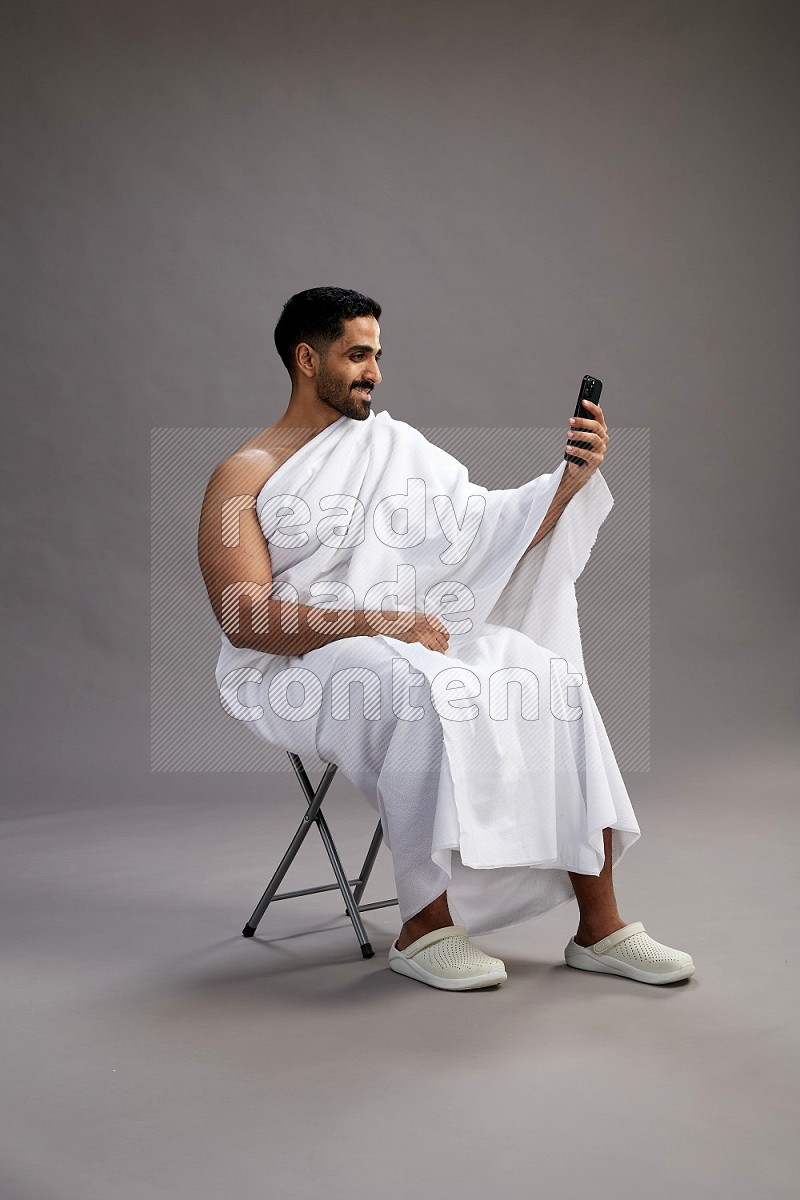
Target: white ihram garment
(493,802)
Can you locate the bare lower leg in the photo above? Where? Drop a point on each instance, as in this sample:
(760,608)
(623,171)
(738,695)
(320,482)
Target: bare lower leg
(433,916)
(596,901)
(594,893)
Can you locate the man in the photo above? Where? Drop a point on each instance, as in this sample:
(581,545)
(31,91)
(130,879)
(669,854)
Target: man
(502,819)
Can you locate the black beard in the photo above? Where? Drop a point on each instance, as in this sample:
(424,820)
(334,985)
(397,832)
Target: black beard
(340,397)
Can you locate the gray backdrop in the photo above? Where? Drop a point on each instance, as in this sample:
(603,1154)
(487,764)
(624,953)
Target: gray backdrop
(532,191)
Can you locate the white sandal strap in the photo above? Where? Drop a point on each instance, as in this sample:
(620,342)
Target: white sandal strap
(620,935)
(435,935)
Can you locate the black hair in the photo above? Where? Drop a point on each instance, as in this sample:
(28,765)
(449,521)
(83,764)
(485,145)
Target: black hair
(317,316)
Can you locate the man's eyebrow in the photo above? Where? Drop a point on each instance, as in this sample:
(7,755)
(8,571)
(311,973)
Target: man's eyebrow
(350,349)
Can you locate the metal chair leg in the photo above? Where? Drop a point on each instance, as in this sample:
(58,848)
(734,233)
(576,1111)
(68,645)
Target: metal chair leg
(369,862)
(314,802)
(313,814)
(341,879)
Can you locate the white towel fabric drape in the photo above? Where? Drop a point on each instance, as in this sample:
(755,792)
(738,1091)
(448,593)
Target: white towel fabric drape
(489,765)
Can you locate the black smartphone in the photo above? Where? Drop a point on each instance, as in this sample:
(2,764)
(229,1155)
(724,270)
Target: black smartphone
(590,390)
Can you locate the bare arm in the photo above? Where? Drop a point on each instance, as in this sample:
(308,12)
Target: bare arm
(595,431)
(237,571)
(564,493)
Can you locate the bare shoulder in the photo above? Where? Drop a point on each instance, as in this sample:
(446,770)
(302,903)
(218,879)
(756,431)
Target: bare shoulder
(249,466)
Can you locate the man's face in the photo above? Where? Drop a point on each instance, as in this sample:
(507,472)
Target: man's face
(349,371)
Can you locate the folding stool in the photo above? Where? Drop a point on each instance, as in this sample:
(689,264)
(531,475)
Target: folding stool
(314,815)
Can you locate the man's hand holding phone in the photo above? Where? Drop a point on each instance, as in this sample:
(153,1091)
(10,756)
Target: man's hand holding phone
(586,454)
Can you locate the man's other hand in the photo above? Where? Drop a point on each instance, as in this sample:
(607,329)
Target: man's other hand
(411,627)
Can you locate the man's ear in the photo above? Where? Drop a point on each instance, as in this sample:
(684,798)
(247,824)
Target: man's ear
(304,361)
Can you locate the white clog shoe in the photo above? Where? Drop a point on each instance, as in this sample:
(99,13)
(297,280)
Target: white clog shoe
(631,952)
(446,958)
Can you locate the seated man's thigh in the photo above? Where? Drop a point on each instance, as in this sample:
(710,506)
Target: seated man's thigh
(360,715)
